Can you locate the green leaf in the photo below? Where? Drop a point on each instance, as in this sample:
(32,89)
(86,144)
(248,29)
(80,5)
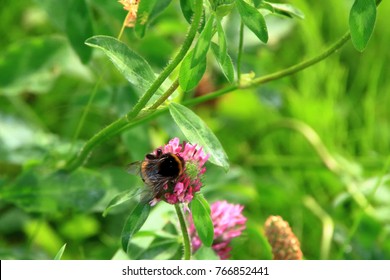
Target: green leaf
(227,65)
(38,191)
(134,223)
(200,211)
(196,131)
(79,28)
(202,199)
(119,199)
(361,22)
(205,253)
(187,9)
(283,9)
(147,11)
(253,19)
(162,249)
(60,253)
(189,77)
(203,43)
(145,8)
(132,66)
(222,43)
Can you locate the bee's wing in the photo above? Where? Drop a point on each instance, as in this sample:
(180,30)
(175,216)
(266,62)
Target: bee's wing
(134,168)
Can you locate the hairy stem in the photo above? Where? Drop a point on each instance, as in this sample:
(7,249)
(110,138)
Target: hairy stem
(166,94)
(186,237)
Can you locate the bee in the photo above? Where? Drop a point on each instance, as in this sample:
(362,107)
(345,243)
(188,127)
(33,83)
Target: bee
(158,170)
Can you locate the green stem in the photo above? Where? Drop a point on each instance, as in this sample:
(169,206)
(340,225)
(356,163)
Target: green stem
(98,138)
(240,46)
(186,237)
(327,225)
(118,125)
(129,120)
(123,26)
(84,114)
(165,96)
(168,70)
(300,66)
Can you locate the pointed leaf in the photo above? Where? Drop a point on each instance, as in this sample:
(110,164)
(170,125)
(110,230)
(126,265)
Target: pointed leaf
(79,28)
(134,223)
(144,10)
(203,43)
(287,10)
(196,131)
(119,199)
(190,77)
(131,65)
(187,9)
(253,19)
(206,253)
(147,11)
(221,42)
(202,220)
(227,65)
(361,22)
(60,253)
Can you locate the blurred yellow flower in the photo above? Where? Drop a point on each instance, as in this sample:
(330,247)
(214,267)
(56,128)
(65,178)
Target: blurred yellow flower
(131,6)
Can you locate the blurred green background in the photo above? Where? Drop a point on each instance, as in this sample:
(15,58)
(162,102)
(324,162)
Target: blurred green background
(312,147)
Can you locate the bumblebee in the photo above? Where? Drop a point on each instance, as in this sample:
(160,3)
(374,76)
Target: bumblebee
(158,170)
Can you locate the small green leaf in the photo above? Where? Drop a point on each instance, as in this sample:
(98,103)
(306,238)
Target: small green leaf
(60,253)
(222,43)
(147,11)
(196,131)
(203,43)
(187,9)
(119,199)
(227,65)
(202,199)
(361,22)
(283,9)
(79,28)
(205,253)
(190,77)
(200,211)
(145,8)
(134,223)
(253,19)
(131,65)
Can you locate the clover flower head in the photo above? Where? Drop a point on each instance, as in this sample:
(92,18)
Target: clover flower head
(182,190)
(285,245)
(228,223)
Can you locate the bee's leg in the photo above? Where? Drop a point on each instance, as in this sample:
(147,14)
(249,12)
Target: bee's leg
(159,153)
(150,156)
